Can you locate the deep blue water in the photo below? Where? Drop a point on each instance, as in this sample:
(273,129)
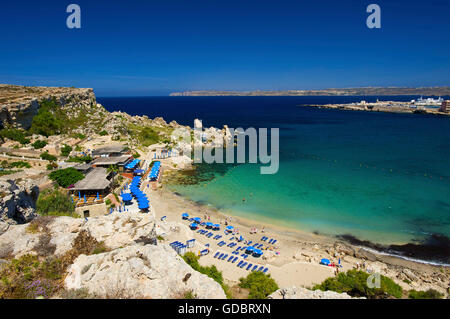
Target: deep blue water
(382,177)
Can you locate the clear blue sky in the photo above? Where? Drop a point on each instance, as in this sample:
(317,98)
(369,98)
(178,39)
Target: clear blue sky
(155,47)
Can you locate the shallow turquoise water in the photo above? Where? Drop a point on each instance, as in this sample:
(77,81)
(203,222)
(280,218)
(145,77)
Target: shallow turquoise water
(383,177)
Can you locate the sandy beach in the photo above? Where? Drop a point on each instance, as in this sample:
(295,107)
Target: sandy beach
(294,259)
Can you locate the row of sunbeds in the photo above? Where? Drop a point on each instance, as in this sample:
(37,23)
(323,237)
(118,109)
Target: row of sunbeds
(208,234)
(241,264)
(271,240)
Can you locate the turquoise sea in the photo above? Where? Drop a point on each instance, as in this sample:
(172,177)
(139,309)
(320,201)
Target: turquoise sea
(380,177)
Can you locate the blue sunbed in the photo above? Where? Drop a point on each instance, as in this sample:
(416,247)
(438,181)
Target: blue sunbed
(265,270)
(261,268)
(229,259)
(221,255)
(234,260)
(243,265)
(225,256)
(240,263)
(255,267)
(217,254)
(249,266)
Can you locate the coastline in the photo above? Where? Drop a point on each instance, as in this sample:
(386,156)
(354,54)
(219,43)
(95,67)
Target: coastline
(300,251)
(398,107)
(432,249)
(275,227)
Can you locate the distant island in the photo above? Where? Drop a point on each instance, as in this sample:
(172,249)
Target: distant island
(362,91)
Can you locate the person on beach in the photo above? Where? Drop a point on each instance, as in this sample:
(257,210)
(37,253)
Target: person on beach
(263,230)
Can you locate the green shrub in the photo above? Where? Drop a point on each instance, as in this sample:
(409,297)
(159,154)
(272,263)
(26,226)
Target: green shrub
(48,157)
(28,278)
(7,172)
(51,166)
(45,122)
(52,202)
(80,136)
(65,150)
(192,260)
(80,159)
(259,284)
(429,294)
(66,177)
(20,164)
(39,144)
(103,133)
(354,283)
(15,135)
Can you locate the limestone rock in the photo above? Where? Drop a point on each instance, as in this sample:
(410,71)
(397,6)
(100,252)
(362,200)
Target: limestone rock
(303,293)
(17,203)
(140,272)
(115,230)
(362,253)
(409,274)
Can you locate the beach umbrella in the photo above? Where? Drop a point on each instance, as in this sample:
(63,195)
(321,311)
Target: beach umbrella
(143,206)
(85,198)
(325,261)
(230,227)
(197,219)
(193,226)
(257,252)
(185,215)
(98,197)
(216,226)
(249,249)
(209,224)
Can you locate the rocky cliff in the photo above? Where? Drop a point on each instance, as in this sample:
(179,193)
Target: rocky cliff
(17,203)
(19,104)
(128,266)
(303,293)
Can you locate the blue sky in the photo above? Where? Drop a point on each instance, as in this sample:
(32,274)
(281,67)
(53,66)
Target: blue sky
(156,47)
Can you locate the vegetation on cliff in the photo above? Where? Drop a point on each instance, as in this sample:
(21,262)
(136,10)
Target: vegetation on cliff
(15,135)
(192,260)
(354,283)
(53,202)
(429,294)
(259,284)
(41,276)
(66,177)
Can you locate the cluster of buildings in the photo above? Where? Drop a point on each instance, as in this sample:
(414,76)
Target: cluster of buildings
(445,106)
(98,180)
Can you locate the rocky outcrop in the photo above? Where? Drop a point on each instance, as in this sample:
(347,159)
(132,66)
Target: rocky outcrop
(115,230)
(303,293)
(134,266)
(138,271)
(17,202)
(19,104)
